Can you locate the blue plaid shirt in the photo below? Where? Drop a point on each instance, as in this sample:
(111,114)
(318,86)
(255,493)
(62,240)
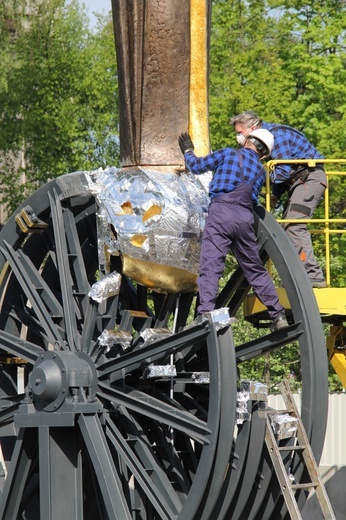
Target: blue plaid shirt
(289,143)
(227,171)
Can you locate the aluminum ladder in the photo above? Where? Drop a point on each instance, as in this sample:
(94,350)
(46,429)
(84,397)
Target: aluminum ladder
(298,444)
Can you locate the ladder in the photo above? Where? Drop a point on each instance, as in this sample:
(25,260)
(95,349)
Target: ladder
(299,444)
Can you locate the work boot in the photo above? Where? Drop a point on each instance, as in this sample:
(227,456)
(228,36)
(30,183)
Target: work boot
(318,284)
(279,322)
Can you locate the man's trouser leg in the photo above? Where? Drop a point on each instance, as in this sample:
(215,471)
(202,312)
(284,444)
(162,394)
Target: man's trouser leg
(304,197)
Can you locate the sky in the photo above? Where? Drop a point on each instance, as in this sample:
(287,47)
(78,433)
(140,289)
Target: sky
(98,6)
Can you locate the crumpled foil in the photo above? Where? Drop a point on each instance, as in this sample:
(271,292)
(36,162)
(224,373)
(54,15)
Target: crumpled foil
(151,335)
(242,411)
(248,390)
(157,217)
(220,317)
(284,425)
(200,377)
(110,338)
(257,391)
(153,371)
(106,287)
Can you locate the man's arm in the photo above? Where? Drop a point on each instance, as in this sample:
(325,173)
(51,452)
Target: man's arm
(196,165)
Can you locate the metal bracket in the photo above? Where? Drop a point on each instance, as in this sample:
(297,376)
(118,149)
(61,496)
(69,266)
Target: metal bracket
(28,221)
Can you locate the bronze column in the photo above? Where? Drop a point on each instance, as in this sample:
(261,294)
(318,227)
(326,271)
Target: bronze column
(162,55)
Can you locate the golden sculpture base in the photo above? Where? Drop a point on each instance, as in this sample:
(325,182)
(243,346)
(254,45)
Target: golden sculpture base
(161,278)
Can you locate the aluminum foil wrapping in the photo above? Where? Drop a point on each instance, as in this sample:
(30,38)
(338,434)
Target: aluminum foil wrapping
(257,391)
(157,217)
(151,335)
(153,371)
(284,425)
(220,317)
(248,390)
(201,377)
(106,287)
(110,338)
(242,410)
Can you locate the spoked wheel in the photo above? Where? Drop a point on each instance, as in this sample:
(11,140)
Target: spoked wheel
(95,434)
(97,430)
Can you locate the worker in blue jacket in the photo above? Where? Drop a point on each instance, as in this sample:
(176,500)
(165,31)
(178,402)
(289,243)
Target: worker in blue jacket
(305,185)
(237,180)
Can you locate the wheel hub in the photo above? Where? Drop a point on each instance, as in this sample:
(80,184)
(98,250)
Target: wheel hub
(60,377)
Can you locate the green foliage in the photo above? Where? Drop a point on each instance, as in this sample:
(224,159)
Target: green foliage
(246,70)
(285,60)
(58,94)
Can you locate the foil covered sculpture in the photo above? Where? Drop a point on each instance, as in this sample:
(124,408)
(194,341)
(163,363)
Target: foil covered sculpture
(154,221)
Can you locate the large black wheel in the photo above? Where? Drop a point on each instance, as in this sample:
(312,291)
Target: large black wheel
(93,429)
(95,435)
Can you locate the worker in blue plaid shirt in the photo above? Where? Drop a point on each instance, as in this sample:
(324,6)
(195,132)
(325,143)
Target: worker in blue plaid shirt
(238,176)
(304,185)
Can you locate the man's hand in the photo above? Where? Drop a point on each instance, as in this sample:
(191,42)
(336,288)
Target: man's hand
(185,143)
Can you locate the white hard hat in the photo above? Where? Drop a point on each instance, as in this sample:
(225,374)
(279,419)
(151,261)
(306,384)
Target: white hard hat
(265,137)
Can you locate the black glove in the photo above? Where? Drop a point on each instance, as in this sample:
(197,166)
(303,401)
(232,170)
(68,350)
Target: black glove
(185,143)
(279,188)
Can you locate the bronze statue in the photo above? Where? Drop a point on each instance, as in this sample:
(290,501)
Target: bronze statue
(162,54)
(157,214)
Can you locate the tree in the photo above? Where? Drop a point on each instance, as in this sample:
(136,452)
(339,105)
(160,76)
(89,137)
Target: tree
(246,71)
(286,61)
(59,100)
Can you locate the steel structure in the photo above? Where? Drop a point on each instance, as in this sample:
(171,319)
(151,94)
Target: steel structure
(92,436)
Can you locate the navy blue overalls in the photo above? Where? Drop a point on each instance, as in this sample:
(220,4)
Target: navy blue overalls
(230,226)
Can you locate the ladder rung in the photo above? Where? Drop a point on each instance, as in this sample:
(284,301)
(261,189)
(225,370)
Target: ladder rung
(304,486)
(279,412)
(291,448)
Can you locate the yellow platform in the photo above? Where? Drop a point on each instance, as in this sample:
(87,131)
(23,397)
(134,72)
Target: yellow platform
(331,303)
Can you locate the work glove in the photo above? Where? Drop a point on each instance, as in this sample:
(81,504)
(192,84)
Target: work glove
(185,143)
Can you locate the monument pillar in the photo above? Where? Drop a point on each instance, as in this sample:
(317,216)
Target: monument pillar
(162,51)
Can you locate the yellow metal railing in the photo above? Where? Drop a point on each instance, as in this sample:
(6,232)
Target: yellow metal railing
(325,223)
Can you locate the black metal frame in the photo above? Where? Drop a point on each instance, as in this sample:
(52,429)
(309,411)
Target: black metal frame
(104,441)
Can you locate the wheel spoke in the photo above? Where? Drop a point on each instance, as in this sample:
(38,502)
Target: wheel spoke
(108,479)
(154,352)
(76,264)
(268,343)
(142,403)
(19,347)
(22,269)
(8,408)
(66,283)
(141,475)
